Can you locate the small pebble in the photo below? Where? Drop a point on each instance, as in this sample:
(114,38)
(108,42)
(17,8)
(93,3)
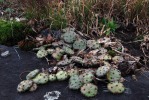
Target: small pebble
(5,54)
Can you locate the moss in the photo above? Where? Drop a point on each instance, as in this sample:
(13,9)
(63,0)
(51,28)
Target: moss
(11,32)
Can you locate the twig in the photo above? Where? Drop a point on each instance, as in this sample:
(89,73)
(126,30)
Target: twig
(47,60)
(17,53)
(23,73)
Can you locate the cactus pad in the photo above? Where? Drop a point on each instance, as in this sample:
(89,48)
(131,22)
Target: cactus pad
(24,85)
(68,50)
(113,75)
(52,77)
(69,37)
(32,74)
(34,87)
(116,87)
(42,53)
(75,82)
(41,78)
(72,72)
(61,75)
(79,44)
(101,71)
(87,77)
(89,90)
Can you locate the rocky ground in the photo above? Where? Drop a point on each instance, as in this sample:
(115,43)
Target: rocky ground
(12,66)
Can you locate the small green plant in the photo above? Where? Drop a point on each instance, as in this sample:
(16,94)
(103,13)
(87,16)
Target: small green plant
(11,32)
(110,25)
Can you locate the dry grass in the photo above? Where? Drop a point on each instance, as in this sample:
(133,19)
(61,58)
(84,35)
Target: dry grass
(85,14)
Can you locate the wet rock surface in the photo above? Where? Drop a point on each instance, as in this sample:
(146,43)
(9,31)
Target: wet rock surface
(12,66)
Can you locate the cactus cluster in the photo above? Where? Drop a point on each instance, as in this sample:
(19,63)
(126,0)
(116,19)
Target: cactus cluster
(81,53)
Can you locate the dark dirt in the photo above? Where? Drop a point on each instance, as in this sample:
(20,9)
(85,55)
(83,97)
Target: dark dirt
(12,66)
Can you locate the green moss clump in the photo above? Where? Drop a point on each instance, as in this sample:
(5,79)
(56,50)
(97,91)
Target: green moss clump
(11,32)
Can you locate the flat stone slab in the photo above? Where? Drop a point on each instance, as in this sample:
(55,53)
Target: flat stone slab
(12,66)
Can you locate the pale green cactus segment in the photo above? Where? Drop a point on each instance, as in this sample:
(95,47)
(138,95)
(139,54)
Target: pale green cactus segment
(116,87)
(93,44)
(89,90)
(50,51)
(101,71)
(61,75)
(79,44)
(107,57)
(33,87)
(72,72)
(75,82)
(87,77)
(52,77)
(117,59)
(24,85)
(68,50)
(58,54)
(69,37)
(42,53)
(114,75)
(32,74)
(41,78)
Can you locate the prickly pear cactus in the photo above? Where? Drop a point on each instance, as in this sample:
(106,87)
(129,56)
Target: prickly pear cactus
(113,75)
(116,87)
(101,71)
(41,78)
(42,53)
(69,37)
(52,77)
(32,74)
(68,50)
(72,72)
(93,44)
(24,85)
(79,44)
(89,90)
(33,87)
(87,77)
(75,82)
(61,75)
